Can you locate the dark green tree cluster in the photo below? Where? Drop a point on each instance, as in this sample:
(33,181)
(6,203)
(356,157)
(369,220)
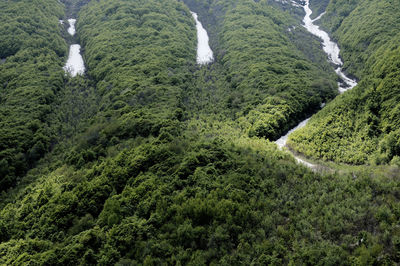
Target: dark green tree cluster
(320,6)
(361,126)
(31,75)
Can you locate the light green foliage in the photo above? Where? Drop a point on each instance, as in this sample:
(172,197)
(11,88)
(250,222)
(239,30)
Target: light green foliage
(154,164)
(361,126)
(201,199)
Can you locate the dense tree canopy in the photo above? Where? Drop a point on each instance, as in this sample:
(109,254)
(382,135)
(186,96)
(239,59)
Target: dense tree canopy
(273,82)
(361,126)
(30,79)
(160,161)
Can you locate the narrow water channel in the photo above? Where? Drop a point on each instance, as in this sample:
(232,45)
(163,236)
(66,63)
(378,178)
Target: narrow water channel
(204,53)
(71,29)
(75,65)
(332,50)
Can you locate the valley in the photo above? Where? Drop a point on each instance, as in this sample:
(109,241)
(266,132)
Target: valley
(157,132)
(358,133)
(75,64)
(332,50)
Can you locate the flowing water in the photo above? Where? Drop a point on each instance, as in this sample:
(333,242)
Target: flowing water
(333,51)
(204,52)
(330,48)
(75,65)
(71,29)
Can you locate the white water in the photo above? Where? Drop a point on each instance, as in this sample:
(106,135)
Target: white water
(75,65)
(319,17)
(282,141)
(347,84)
(332,50)
(204,52)
(71,29)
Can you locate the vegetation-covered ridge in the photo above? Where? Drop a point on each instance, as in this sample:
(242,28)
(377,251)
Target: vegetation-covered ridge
(139,55)
(273,82)
(32,52)
(201,201)
(156,166)
(361,126)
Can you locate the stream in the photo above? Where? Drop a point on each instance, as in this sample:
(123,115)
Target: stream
(75,65)
(71,29)
(204,52)
(332,50)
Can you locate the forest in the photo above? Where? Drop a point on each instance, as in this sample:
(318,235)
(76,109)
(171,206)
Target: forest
(273,82)
(31,77)
(362,126)
(151,159)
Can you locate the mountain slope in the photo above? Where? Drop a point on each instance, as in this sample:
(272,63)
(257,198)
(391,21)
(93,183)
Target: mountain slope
(362,125)
(162,170)
(32,51)
(273,83)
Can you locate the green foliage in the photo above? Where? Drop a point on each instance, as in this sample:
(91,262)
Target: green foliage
(199,199)
(364,33)
(27,25)
(337,11)
(153,162)
(361,126)
(30,79)
(273,83)
(318,7)
(136,51)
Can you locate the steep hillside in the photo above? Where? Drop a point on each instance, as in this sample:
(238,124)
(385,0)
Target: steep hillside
(31,52)
(273,82)
(361,126)
(155,165)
